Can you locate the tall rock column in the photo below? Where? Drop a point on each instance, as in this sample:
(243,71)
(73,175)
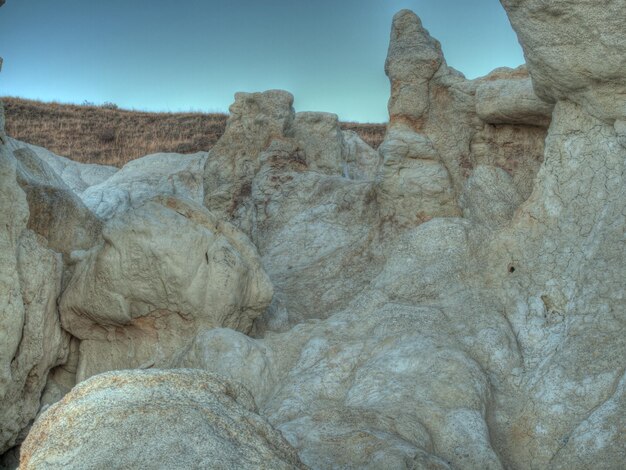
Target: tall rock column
(412,60)
(414,183)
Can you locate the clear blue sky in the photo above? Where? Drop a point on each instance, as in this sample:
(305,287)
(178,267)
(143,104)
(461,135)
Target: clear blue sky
(195,54)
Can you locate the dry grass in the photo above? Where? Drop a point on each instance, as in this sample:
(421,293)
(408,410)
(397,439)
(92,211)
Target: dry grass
(96,134)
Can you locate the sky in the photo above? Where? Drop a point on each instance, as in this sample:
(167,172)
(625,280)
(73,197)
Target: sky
(193,55)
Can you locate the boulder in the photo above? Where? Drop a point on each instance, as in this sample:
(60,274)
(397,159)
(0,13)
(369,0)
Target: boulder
(490,198)
(362,162)
(160,174)
(381,384)
(156,419)
(317,235)
(55,212)
(575,50)
(321,140)
(414,184)
(255,120)
(77,176)
(512,102)
(620,129)
(516,149)
(163,269)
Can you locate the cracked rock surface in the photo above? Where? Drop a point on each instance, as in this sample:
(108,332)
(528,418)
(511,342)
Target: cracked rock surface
(452,300)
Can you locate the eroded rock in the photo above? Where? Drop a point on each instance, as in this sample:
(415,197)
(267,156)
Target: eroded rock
(163,269)
(31,339)
(575,51)
(512,102)
(161,174)
(172,419)
(77,176)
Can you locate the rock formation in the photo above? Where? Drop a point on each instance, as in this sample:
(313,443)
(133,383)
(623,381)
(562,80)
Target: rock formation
(31,339)
(162,270)
(173,419)
(452,300)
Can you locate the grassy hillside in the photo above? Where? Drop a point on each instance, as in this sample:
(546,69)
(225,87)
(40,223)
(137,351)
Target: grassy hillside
(105,135)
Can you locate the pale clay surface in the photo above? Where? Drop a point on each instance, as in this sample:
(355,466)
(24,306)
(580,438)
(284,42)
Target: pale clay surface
(454,300)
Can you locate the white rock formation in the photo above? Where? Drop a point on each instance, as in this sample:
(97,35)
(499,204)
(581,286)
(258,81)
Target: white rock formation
(171,419)
(31,339)
(589,67)
(145,178)
(77,176)
(55,211)
(511,101)
(163,269)
(491,341)
(454,300)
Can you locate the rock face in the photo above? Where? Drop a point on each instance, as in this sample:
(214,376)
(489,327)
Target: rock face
(454,300)
(412,61)
(588,67)
(511,102)
(145,178)
(56,212)
(487,341)
(77,176)
(134,298)
(31,339)
(174,419)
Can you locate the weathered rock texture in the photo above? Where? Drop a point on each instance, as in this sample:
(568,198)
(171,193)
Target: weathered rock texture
(31,339)
(454,300)
(154,420)
(163,269)
(77,176)
(575,51)
(488,341)
(145,178)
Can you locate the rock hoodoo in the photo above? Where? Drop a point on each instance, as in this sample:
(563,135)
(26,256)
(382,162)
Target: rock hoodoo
(453,300)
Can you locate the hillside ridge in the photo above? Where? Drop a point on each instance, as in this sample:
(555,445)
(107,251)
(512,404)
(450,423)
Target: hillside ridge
(107,136)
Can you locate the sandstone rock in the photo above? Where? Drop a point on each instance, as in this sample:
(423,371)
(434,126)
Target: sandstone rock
(164,268)
(231,354)
(362,162)
(316,234)
(31,339)
(77,176)
(55,212)
(490,197)
(486,333)
(565,257)
(575,50)
(518,150)
(172,419)
(414,185)
(488,341)
(382,383)
(160,174)
(412,60)
(318,135)
(449,101)
(255,120)
(512,102)
(620,128)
